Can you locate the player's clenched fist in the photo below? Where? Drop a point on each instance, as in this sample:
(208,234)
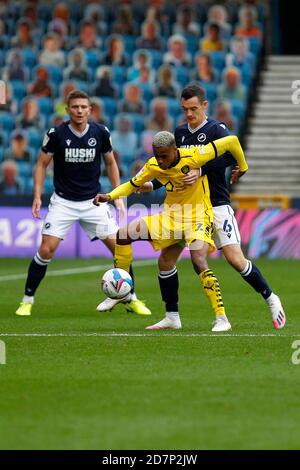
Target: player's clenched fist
(101,198)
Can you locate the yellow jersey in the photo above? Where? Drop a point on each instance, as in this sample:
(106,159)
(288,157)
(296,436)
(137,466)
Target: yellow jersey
(171,178)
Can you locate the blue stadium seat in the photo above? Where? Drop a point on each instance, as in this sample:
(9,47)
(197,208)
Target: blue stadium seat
(19,89)
(7,121)
(156,57)
(125,169)
(211,91)
(55,73)
(138,122)
(5,41)
(4,138)
(192,43)
(147,92)
(218,59)
(246,75)
(81,85)
(127,161)
(25,169)
(129,43)
(29,57)
(35,137)
(173,107)
(238,109)
(45,11)
(182,75)
(92,59)
(48,185)
(45,105)
(1,153)
(105,184)
(255,46)
(110,105)
(35,151)
(119,74)
(23,181)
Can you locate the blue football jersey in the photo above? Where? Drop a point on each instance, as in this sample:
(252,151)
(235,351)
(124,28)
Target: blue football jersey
(77,159)
(208,131)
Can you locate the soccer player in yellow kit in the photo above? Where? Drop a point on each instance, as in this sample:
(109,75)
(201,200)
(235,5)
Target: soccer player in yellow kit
(187,216)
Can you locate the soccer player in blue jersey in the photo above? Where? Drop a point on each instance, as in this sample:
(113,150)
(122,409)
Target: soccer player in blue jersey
(200,130)
(76,148)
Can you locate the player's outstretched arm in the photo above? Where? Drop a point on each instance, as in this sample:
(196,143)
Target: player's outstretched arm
(146,188)
(231,144)
(144,175)
(39,178)
(123,190)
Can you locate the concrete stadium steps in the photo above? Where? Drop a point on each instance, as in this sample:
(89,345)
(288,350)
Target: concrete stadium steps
(284,59)
(273,105)
(256,162)
(264,177)
(272,128)
(271,121)
(285,113)
(274,82)
(273,139)
(255,188)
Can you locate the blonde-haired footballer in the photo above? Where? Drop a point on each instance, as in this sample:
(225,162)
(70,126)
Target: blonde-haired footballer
(187,216)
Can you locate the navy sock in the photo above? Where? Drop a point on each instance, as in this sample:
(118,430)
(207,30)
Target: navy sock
(254,277)
(36,271)
(169,284)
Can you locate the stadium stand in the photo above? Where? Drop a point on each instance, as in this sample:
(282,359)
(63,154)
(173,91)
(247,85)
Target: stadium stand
(172,34)
(273,131)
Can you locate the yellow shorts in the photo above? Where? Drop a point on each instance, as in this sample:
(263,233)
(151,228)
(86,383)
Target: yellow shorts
(167,229)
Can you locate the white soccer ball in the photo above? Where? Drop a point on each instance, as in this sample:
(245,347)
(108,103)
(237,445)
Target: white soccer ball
(116,283)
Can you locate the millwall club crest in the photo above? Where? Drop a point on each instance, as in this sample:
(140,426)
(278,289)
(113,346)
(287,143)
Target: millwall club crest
(201,137)
(185,169)
(92,142)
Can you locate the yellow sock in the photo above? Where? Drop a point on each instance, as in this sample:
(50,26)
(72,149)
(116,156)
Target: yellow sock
(123,256)
(212,290)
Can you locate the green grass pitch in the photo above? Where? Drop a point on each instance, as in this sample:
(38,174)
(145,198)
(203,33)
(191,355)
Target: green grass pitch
(186,389)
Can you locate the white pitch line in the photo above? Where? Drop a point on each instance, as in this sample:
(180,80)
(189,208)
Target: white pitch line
(66,272)
(149,335)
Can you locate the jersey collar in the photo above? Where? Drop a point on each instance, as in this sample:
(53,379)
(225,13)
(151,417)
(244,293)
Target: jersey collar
(192,131)
(79,134)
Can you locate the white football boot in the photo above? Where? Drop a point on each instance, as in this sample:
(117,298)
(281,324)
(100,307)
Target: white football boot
(277,312)
(131,305)
(166,323)
(108,304)
(221,323)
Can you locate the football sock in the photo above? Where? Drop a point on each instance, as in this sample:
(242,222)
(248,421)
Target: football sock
(123,256)
(212,290)
(172,315)
(36,271)
(169,284)
(270,299)
(28,299)
(253,276)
